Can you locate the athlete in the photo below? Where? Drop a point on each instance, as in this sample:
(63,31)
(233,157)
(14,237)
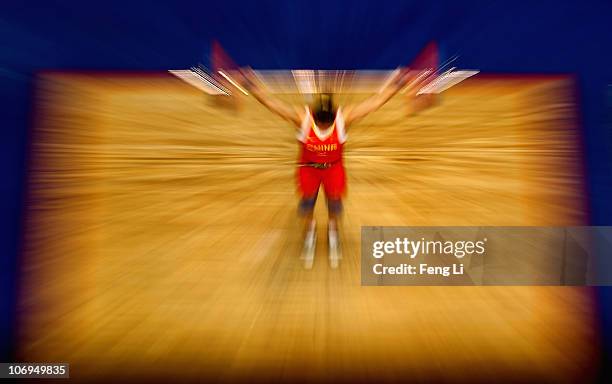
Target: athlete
(322,133)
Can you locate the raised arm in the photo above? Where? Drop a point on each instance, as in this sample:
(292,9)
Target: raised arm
(284,110)
(372,103)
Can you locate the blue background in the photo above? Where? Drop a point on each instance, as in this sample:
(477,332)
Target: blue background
(498,37)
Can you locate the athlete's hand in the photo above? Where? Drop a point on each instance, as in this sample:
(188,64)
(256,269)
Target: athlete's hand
(419,79)
(413,77)
(404,75)
(248,78)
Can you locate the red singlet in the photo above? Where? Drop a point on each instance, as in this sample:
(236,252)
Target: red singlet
(321,158)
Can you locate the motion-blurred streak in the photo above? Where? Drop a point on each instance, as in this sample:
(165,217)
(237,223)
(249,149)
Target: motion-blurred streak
(191,77)
(308,82)
(445,81)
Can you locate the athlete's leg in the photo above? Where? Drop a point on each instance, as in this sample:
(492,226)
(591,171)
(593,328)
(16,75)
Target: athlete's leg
(334,183)
(334,208)
(306,210)
(309,180)
(334,211)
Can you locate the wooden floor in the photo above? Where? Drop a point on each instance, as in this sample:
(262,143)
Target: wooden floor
(162,237)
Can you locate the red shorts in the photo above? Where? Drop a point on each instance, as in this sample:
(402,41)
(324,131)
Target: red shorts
(333,180)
